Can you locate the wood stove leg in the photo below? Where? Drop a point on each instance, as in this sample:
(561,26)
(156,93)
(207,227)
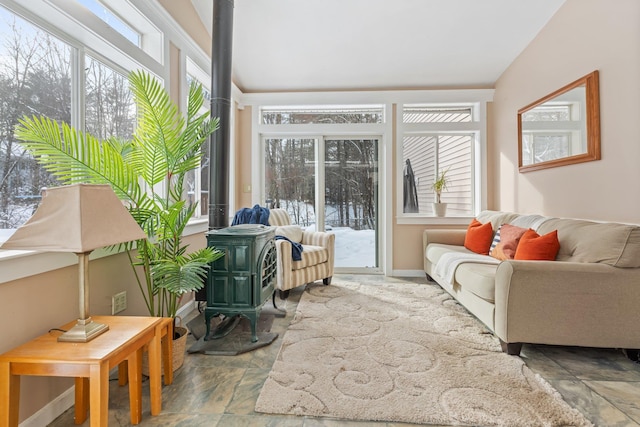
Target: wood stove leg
(253,320)
(207,320)
(279,311)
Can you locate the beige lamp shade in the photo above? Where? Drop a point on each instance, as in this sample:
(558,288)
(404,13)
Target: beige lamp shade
(76,218)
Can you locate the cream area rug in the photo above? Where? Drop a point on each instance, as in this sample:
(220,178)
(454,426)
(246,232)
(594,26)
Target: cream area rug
(403,352)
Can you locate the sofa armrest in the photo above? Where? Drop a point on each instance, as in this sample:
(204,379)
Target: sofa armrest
(443,236)
(318,238)
(567,303)
(283,266)
(326,240)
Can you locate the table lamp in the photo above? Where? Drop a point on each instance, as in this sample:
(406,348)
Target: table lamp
(78,218)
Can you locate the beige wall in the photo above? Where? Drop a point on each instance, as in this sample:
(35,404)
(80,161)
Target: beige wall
(243,157)
(187,17)
(583,36)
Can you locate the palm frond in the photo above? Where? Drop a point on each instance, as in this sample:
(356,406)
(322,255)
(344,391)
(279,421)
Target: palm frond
(184,273)
(159,125)
(75,157)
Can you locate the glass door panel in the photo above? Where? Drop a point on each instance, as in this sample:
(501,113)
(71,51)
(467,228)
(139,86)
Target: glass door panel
(290,171)
(351,200)
(328,184)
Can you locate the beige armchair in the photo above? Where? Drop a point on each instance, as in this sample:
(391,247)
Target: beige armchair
(318,251)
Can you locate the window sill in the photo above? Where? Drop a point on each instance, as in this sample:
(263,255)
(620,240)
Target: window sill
(20,264)
(196,226)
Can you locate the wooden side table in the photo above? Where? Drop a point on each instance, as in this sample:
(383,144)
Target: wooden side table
(90,364)
(165,328)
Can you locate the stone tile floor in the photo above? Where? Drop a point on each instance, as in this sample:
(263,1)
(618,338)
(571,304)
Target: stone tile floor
(221,390)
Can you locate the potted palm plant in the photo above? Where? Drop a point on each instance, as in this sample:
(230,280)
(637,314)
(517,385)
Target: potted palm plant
(147,173)
(438,186)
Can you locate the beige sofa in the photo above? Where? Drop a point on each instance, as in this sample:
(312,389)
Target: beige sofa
(589,296)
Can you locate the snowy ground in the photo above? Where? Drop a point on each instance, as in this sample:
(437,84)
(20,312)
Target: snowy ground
(354,248)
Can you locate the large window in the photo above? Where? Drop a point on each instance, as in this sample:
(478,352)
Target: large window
(321,165)
(109,107)
(35,79)
(111,19)
(57,76)
(196,182)
(438,139)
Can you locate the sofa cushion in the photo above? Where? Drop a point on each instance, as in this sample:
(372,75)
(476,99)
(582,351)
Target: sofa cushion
(506,241)
(479,279)
(535,247)
(478,237)
(529,221)
(311,255)
(291,232)
(496,218)
(614,244)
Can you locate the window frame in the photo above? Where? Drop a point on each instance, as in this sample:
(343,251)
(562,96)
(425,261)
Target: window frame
(476,127)
(88,35)
(195,72)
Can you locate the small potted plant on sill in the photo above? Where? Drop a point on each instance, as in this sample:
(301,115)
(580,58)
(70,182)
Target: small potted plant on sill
(440,185)
(147,173)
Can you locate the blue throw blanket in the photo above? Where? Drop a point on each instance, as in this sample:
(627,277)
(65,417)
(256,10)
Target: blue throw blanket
(296,248)
(255,215)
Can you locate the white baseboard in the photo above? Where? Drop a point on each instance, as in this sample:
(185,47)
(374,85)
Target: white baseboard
(185,311)
(52,410)
(407,273)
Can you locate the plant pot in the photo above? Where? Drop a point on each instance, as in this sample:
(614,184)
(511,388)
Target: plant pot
(440,209)
(177,357)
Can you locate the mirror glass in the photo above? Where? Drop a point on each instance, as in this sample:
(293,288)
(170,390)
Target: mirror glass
(562,128)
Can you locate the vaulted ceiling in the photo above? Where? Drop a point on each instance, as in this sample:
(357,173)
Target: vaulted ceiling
(308,45)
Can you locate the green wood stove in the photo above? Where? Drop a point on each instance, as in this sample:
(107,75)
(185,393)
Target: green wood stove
(242,280)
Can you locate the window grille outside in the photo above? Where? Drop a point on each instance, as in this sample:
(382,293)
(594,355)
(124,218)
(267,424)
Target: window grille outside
(426,114)
(549,113)
(324,115)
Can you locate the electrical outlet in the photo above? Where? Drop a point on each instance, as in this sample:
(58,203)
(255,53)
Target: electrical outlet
(119,302)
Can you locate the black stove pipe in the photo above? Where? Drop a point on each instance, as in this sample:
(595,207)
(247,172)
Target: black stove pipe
(220,140)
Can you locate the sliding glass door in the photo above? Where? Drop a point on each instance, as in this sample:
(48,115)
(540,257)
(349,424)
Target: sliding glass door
(329,184)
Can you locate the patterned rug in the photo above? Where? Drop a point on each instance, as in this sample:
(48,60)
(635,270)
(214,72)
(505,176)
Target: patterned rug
(406,353)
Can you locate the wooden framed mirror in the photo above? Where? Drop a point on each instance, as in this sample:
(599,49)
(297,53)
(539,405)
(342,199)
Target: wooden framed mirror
(562,128)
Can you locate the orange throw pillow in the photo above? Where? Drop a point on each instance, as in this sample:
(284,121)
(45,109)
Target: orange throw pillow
(478,238)
(533,246)
(510,236)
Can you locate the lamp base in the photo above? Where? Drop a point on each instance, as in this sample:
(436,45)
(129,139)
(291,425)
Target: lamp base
(83,331)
